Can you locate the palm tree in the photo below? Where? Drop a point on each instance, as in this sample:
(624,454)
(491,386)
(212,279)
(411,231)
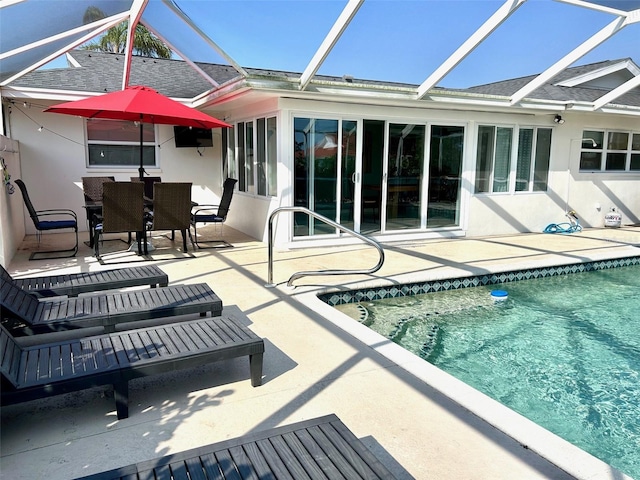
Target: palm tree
(144,42)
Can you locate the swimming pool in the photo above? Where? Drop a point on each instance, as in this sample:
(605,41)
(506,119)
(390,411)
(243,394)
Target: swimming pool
(563,350)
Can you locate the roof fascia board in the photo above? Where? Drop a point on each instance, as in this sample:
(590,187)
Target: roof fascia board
(104,26)
(500,15)
(183,56)
(135,12)
(180,14)
(45,93)
(338,28)
(600,72)
(616,92)
(622,110)
(578,52)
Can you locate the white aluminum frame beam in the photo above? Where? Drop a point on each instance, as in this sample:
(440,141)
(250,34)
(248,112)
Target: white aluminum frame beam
(98,27)
(616,92)
(180,14)
(135,12)
(182,55)
(487,28)
(330,41)
(598,38)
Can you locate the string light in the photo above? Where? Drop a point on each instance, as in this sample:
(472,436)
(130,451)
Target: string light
(40,128)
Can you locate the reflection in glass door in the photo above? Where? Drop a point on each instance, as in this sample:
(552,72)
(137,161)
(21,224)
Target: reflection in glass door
(405,162)
(445,167)
(372,173)
(348,173)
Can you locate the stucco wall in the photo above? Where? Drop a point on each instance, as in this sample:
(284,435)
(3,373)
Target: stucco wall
(54,161)
(12,221)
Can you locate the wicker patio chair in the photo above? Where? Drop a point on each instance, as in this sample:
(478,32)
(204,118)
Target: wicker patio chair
(122,212)
(48,220)
(92,187)
(148,184)
(216,214)
(172,208)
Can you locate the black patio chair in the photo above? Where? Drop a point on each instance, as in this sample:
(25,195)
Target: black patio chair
(50,220)
(172,208)
(216,214)
(122,212)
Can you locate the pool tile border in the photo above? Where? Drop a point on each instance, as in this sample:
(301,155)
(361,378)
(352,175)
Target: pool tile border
(379,293)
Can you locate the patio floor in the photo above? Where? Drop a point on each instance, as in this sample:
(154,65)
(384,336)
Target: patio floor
(313,366)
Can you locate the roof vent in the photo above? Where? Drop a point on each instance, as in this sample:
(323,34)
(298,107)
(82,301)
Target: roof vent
(348,78)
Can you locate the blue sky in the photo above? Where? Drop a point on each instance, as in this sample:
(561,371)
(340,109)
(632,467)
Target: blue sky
(394,40)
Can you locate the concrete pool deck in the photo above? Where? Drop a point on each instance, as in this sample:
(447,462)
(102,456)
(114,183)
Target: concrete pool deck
(316,362)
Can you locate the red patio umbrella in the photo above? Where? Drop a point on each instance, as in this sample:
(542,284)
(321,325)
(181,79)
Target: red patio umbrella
(138,104)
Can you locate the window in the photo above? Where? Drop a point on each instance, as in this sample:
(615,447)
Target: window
(257,156)
(493,161)
(533,143)
(494,164)
(610,151)
(116,143)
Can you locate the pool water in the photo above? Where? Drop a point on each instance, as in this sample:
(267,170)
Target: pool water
(563,351)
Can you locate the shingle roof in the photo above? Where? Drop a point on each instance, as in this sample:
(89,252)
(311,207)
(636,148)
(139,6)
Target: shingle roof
(553,91)
(102,72)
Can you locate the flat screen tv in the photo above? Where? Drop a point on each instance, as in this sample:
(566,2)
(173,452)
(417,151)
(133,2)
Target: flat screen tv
(192,137)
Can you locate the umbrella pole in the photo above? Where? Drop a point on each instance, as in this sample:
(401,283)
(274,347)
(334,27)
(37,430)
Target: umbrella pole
(141,176)
(141,169)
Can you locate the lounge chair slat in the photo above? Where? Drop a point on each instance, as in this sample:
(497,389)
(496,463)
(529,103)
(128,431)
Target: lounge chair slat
(56,363)
(276,464)
(167,341)
(227,466)
(150,346)
(245,468)
(292,460)
(365,462)
(159,345)
(195,468)
(66,360)
(211,466)
(326,453)
(44,372)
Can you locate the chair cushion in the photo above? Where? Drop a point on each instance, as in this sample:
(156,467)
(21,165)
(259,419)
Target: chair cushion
(55,224)
(206,218)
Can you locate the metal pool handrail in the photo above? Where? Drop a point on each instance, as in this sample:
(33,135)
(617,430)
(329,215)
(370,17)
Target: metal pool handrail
(324,219)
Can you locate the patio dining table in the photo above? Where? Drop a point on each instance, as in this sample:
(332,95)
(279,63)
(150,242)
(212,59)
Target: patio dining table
(94,209)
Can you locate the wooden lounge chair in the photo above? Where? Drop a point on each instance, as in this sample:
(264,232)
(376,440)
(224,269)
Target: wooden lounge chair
(39,371)
(73,284)
(104,309)
(321,447)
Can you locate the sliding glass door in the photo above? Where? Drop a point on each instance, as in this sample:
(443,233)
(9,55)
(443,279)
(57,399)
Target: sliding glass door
(375,176)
